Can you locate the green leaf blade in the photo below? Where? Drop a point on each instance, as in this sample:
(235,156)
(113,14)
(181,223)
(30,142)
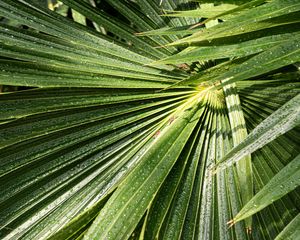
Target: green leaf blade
(104,227)
(282,183)
(281,121)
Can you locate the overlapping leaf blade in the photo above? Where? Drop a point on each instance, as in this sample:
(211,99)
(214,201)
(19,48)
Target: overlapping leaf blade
(284,119)
(248,21)
(284,182)
(291,230)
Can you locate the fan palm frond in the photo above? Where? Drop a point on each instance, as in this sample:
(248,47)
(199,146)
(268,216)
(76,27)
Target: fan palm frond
(149,119)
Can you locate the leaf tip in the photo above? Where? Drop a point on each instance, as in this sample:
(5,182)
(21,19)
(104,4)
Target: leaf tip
(163,46)
(213,169)
(230,223)
(139,34)
(249,230)
(196,25)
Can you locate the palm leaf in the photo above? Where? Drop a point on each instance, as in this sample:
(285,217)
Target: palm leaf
(100,143)
(284,119)
(291,230)
(255,19)
(284,182)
